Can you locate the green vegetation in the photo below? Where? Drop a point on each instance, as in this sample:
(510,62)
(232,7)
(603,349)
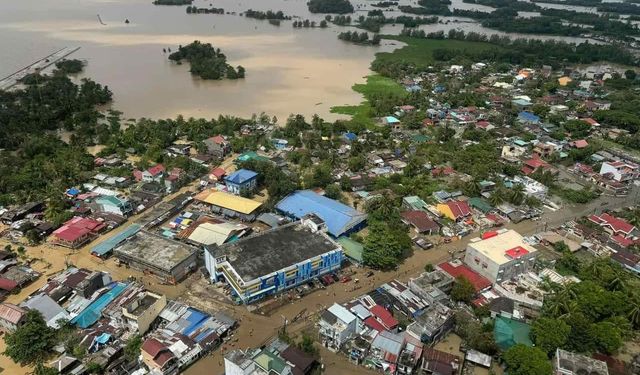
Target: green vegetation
(195,10)
(132,347)
(32,341)
(384,4)
(359,38)
(463,290)
(268,15)
(72,66)
(523,360)
(206,61)
(381,94)
(173,2)
(330,6)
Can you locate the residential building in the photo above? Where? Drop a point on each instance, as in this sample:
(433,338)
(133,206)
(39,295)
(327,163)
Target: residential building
(351,248)
(169,260)
(620,171)
(270,262)
(241,182)
(533,165)
(11,316)
(568,363)
(413,203)
(340,219)
(500,255)
(628,260)
(154,174)
(544,149)
(437,362)
(433,324)
(385,350)
(613,225)
(456,268)
(159,358)
(77,231)
(432,286)
(143,310)
(218,146)
(455,210)
(420,221)
(50,310)
(114,205)
(336,326)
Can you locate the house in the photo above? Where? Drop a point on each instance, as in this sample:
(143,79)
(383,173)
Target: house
(229,205)
(392,122)
(432,286)
(217,174)
(241,182)
(384,317)
(11,317)
(628,260)
(456,269)
(351,249)
(613,225)
(433,324)
(158,357)
(512,152)
(153,174)
(533,165)
(569,363)
(480,204)
(544,149)
(77,231)
(528,118)
(455,210)
(385,350)
(420,221)
(339,218)
(113,205)
(218,146)
(620,171)
(563,81)
(336,326)
(349,137)
(413,203)
(437,362)
(590,121)
(579,144)
(500,255)
(143,310)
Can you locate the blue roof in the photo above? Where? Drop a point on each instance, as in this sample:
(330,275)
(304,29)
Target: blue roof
(391,120)
(528,116)
(93,312)
(241,176)
(339,217)
(350,136)
(73,191)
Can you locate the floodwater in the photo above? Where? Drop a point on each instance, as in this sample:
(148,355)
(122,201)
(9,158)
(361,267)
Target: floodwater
(288,70)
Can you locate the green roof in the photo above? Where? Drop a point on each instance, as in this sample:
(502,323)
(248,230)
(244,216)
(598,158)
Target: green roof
(420,138)
(352,249)
(480,204)
(109,200)
(250,155)
(415,202)
(270,362)
(509,332)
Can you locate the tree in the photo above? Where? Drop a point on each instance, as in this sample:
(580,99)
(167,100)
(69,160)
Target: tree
(549,334)
(428,267)
(384,246)
(32,341)
(333,191)
(132,347)
(307,345)
(523,360)
(630,74)
(41,369)
(463,290)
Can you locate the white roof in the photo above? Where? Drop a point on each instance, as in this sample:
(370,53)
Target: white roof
(209,233)
(495,247)
(479,358)
(342,313)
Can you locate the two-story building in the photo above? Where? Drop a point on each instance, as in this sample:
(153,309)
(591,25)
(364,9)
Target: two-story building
(336,326)
(241,181)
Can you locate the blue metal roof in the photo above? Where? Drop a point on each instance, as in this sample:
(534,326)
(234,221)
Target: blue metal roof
(391,120)
(93,312)
(241,176)
(350,136)
(339,217)
(528,116)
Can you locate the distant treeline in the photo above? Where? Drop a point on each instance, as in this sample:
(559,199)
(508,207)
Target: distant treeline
(330,6)
(308,24)
(268,15)
(626,7)
(530,52)
(196,10)
(359,38)
(207,62)
(375,21)
(384,4)
(173,2)
(513,4)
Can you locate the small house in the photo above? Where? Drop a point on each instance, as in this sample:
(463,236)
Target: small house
(241,181)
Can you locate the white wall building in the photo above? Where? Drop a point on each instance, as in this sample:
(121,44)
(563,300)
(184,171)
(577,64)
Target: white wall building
(337,325)
(620,171)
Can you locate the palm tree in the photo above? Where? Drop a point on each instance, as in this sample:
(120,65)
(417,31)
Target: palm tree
(496,198)
(634,313)
(517,194)
(472,188)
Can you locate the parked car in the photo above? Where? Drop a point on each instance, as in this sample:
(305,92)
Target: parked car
(423,244)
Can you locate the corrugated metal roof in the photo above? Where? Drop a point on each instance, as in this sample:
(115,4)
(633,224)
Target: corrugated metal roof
(228,201)
(11,313)
(341,313)
(388,342)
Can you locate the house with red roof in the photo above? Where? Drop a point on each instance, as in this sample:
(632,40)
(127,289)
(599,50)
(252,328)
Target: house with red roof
(533,165)
(158,357)
(384,317)
(613,225)
(579,144)
(620,171)
(77,231)
(590,121)
(11,316)
(154,174)
(218,146)
(420,221)
(217,174)
(455,210)
(458,269)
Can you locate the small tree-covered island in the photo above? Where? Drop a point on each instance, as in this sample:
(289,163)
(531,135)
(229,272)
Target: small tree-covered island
(206,61)
(330,6)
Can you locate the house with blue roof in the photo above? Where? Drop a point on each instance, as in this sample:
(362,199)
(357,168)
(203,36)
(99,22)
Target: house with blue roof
(340,219)
(392,122)
(243,180)
(528,118)
(349,137)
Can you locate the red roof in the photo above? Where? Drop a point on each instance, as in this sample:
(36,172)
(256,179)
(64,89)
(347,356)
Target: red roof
(77,227)
(372,323)
(486,235)
(218,172)
(581,143)
(8,285)
(535,163)
(218,139)
(478,281)
(624,242)
(617,224)
(459,209)
(384,317)
(137,174)
(153,347)
(156,169)
(591,121)
(482,124)
(11,313)
(516,252)
(420,220)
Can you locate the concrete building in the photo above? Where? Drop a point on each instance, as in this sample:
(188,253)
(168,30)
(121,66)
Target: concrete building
(432,286)
(170,260)
(142,311)
(272,261)
(500,255)
(433,324)
(568,363)
(241,181)
(336,326)
(620,171)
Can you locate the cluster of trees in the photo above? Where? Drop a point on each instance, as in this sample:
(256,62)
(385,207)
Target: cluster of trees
(330,6)
(513,4)
(268,15)
(360,38)
(384,4)
(207,62)
(306,24)
(440,7)
(72,66)
(339,20)
(602,6)
(194,10)
(173,2)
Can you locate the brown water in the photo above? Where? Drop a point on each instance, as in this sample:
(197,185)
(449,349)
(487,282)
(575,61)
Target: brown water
(288,70)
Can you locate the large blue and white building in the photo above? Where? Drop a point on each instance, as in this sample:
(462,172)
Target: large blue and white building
(273,261)
(340,219)
(241,181)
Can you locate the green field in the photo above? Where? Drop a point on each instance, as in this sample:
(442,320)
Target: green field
(376,85)
(420,51)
